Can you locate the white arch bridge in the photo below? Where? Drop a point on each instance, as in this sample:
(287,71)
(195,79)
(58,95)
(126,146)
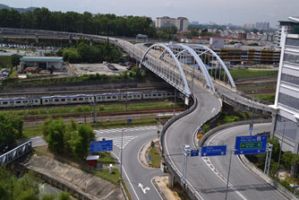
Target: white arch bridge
(179,64)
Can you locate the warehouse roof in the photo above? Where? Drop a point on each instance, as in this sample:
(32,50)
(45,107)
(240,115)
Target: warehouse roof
(41,59)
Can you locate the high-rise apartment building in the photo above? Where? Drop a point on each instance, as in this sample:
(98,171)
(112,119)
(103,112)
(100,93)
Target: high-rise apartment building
(181,23)
(286,119)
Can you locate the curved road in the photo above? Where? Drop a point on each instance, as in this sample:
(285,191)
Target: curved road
(243,180)
(134,173)
(208,175)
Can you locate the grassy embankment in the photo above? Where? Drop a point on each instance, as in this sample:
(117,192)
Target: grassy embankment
(257,83)
(111,108)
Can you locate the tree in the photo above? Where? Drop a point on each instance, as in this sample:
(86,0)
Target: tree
(54,131)
(287,159)
(23,188)
(64,196)
(11,129)
(275,149)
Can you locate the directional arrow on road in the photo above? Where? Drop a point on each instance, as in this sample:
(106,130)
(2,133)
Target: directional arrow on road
(144,190)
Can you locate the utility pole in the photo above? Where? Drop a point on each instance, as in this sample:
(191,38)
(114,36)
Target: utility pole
(268,159)
(187,151)
(121,153)
(282,140)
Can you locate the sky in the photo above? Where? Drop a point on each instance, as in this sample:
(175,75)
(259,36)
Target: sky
(236,12)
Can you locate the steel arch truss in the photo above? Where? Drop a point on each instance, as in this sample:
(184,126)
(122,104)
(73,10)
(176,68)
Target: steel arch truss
(160,59)
(214,64)
(191,62)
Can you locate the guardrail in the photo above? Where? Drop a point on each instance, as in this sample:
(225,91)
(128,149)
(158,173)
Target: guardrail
(236,97)
(15,153)
(190,190)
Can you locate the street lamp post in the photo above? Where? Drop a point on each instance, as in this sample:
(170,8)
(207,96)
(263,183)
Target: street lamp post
(228,174)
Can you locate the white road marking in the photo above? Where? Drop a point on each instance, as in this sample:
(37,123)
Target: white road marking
(127,177)
(143,189)
(208,162)
(117,140)
(119,130)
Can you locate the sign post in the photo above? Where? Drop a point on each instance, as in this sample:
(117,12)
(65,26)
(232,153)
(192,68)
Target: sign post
(250,128)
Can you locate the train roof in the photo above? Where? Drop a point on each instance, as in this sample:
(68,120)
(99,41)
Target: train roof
(67,96)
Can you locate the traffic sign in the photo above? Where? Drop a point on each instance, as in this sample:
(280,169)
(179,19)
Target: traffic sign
(213,150)
(129,121)
(250,144)
(194,152)
(101,146)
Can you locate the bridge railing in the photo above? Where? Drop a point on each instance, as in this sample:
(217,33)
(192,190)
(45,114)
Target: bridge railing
(15,153)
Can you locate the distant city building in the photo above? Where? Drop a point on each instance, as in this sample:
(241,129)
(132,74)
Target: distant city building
(181,23)
(286,119)
(264,26)
(248,56)
(47,63)
(216,43)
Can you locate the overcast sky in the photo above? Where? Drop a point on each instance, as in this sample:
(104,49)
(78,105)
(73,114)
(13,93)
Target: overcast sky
(204,11)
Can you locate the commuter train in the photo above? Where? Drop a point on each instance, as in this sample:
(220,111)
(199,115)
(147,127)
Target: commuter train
(84,98)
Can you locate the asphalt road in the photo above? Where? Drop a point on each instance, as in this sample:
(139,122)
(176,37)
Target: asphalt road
(208,176)
(137,177)
(243,181)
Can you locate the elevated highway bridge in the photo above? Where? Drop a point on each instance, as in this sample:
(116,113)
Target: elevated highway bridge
(199,74)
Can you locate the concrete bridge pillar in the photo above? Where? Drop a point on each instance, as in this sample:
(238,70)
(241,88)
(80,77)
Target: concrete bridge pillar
(274,118)
(36,39)
(171,180)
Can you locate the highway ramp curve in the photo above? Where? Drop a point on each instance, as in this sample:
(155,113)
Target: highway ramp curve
(206,177)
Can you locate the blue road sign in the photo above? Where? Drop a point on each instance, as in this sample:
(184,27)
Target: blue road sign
(250,144)
(194,152)
(213,150)
(101,146)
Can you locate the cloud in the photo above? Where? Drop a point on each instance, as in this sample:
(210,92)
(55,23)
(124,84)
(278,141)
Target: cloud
(219,11)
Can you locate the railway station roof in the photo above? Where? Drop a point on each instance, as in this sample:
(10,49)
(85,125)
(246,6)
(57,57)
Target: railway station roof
(41,59)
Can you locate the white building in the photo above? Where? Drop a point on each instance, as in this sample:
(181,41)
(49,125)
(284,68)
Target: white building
(286,119)
(181,23)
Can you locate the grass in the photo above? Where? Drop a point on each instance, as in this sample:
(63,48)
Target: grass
(5,62)
(154,153)
(33,131)
(251,73)
(114,177)
(105,157)
(100,108)
(265,97)
(37,130)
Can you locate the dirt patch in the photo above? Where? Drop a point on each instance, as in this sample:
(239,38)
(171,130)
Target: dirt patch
(162,185)
(75,178)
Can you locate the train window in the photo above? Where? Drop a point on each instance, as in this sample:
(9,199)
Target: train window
(80,99)
(46,100)
(4,102)
(62,99)
(75,99)
(159,94)
(108,97)
(56,100)
(154,95)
